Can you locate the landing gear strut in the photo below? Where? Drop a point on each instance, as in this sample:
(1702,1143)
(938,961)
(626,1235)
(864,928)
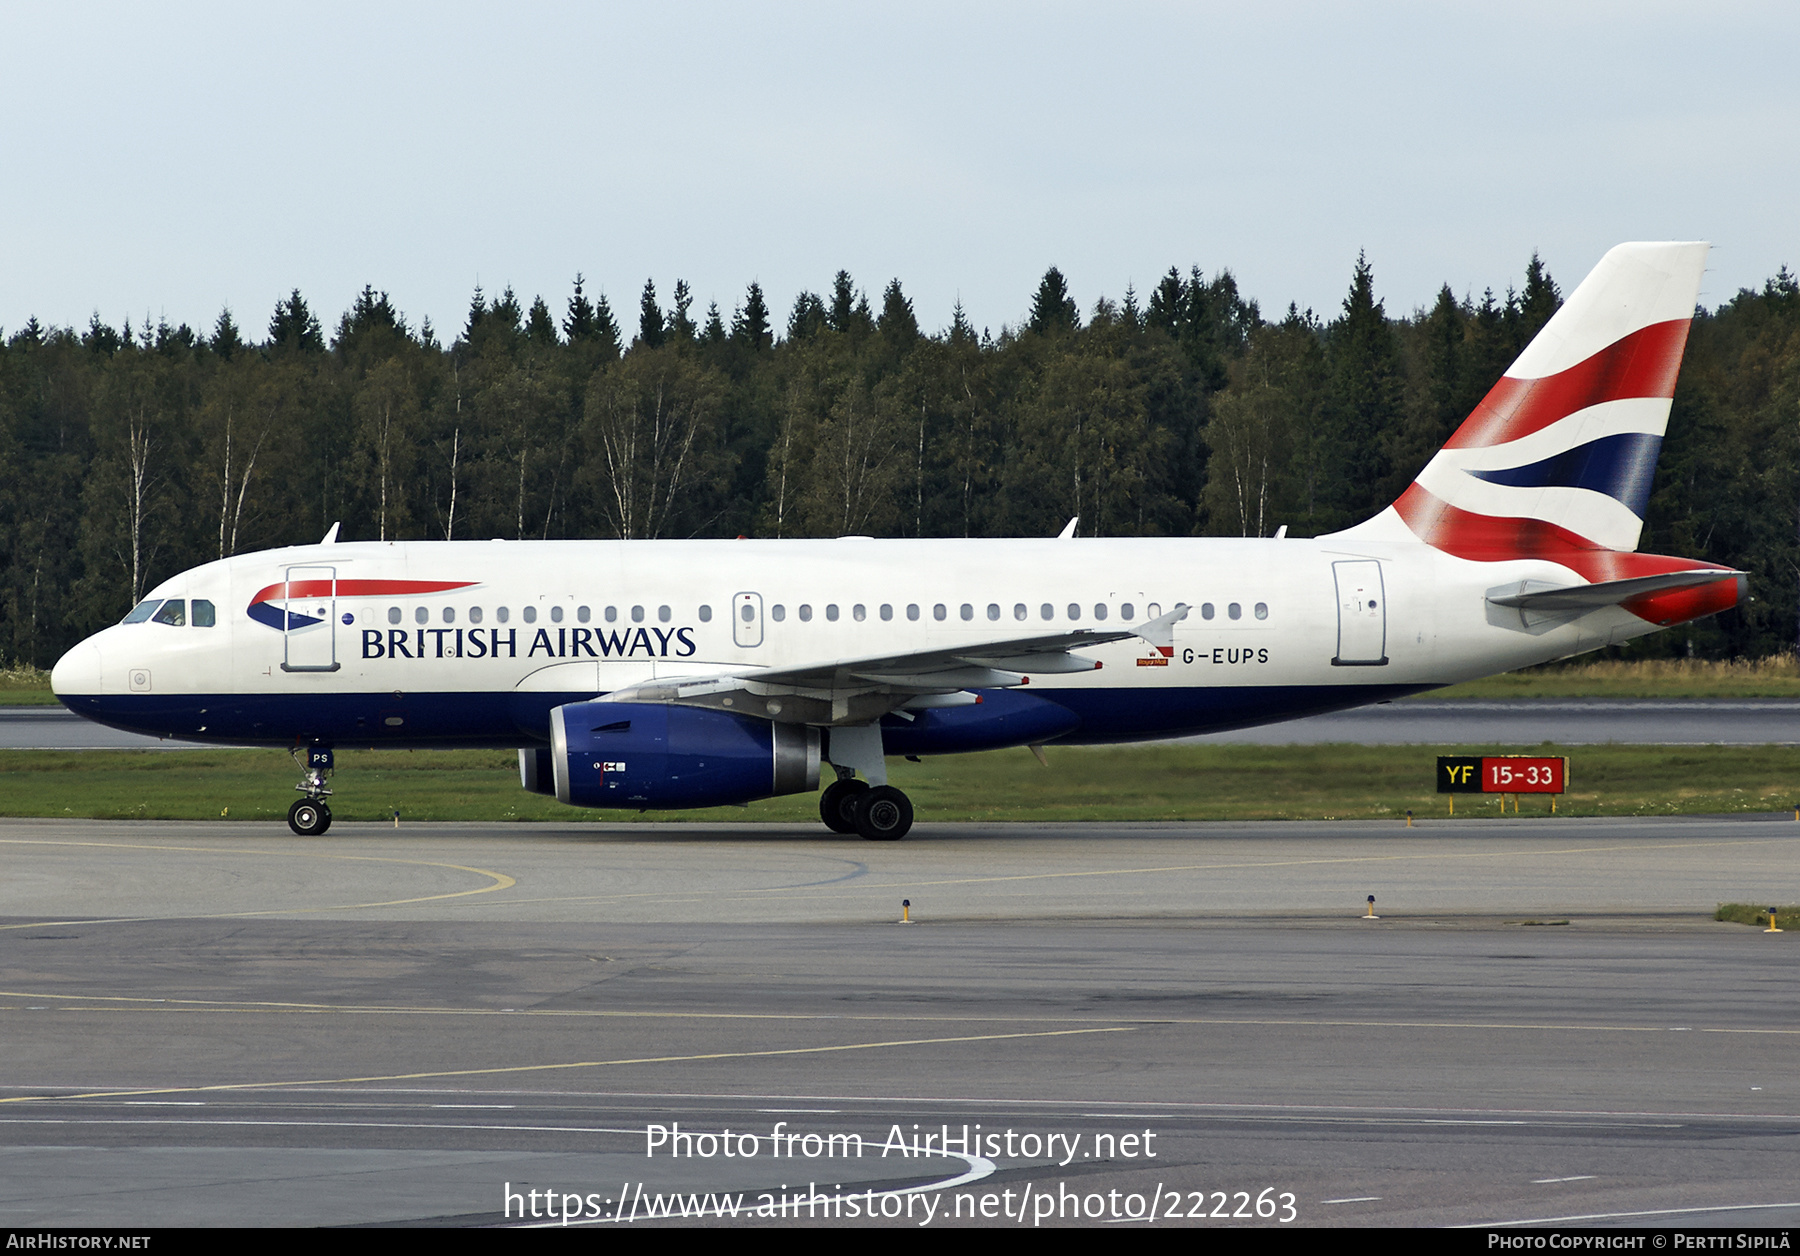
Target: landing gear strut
(310,816)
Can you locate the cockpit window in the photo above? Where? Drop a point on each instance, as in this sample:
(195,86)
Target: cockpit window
(173,612)
(203,613)
(142,611)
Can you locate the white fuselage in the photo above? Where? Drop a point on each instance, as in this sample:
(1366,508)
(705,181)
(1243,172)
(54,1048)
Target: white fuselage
(1277,628)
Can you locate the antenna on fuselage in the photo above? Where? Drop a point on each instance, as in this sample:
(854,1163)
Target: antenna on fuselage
(331,536)
(1068,529)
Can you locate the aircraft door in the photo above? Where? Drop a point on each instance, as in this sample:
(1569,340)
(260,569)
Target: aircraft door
(1362,614)
(747,619)
(310,633)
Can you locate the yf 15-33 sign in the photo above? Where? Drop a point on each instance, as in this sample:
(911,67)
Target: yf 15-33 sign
(1501,774)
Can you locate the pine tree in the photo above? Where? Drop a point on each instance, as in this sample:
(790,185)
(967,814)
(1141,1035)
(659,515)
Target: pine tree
(578,324)
(1539,300)
(226,342)
(540,328)
(808,318)
(293,327)
(1053,309)
(650,317)
(606,331)
(750,326)
(843,303)
(1168,304)
(1363,406)
(897,324)
(681,327)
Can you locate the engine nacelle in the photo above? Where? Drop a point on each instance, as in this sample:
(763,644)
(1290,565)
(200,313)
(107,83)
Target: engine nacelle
(647,754)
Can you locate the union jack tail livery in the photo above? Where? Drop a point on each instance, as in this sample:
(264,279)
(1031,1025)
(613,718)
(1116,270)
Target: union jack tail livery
(1556,462)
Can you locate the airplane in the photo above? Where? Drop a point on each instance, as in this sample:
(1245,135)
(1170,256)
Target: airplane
(682,674)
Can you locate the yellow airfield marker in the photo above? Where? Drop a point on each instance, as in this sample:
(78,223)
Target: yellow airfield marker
(1772,928)
(906,911)
(1371,915)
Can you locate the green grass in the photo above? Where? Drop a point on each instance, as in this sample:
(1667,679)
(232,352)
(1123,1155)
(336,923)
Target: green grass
(1775,677)
(1745,914)
(1160,782)
(24,685)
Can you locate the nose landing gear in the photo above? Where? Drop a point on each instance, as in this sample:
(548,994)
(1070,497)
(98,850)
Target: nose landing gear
(310,816)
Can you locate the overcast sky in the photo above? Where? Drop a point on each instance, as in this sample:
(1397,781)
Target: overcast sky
(170,160)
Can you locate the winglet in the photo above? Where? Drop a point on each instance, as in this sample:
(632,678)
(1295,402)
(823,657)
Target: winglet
(1068,529)
(331,536)
(1160,632)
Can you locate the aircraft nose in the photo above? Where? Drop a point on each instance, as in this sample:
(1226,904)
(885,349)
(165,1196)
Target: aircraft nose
(77,672)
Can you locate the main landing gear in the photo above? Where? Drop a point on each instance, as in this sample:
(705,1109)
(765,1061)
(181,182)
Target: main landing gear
(310,816)
(880,814)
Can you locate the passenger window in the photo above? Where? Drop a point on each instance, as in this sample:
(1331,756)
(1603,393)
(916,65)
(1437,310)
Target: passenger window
(556,614)
(1099,610)
(474,614)
(1074,611)
(749,612)
(706,614)
(203,613)
(583,614)
(1125,611)
(421,615)
(502,614)
(912,610)
(529,614)
(449,614)
(1153,611)
(141,612)
(993,610)
(938,612)
(1019,611)
(1235,611)
(859,612)
(968,612)
(173,613)
(1046,611)
(887,612)
(637,614)
(612,614)
(1262,610)
(662,614)
(777,612)
(806,612)
(831,611)
(1206,610)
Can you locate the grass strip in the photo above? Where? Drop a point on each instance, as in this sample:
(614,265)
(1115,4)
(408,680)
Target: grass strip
(1127,783)
(1775,677)
(1745,914)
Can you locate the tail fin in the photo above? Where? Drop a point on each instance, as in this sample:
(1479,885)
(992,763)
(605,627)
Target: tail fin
(1558,457)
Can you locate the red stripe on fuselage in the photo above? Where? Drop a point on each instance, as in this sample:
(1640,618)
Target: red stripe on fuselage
(1643,364)
(357,588)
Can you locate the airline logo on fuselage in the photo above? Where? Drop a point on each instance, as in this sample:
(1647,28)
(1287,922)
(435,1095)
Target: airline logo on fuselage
(556,643)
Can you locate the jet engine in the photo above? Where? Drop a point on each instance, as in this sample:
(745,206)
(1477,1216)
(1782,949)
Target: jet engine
(650,755)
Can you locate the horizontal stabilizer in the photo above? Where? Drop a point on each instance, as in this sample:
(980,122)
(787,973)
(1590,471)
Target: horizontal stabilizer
(1536,595)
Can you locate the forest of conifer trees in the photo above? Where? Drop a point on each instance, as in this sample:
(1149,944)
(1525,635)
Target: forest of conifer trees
(129,454)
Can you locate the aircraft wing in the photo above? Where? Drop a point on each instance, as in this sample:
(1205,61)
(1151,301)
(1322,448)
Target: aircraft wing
(858,690)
